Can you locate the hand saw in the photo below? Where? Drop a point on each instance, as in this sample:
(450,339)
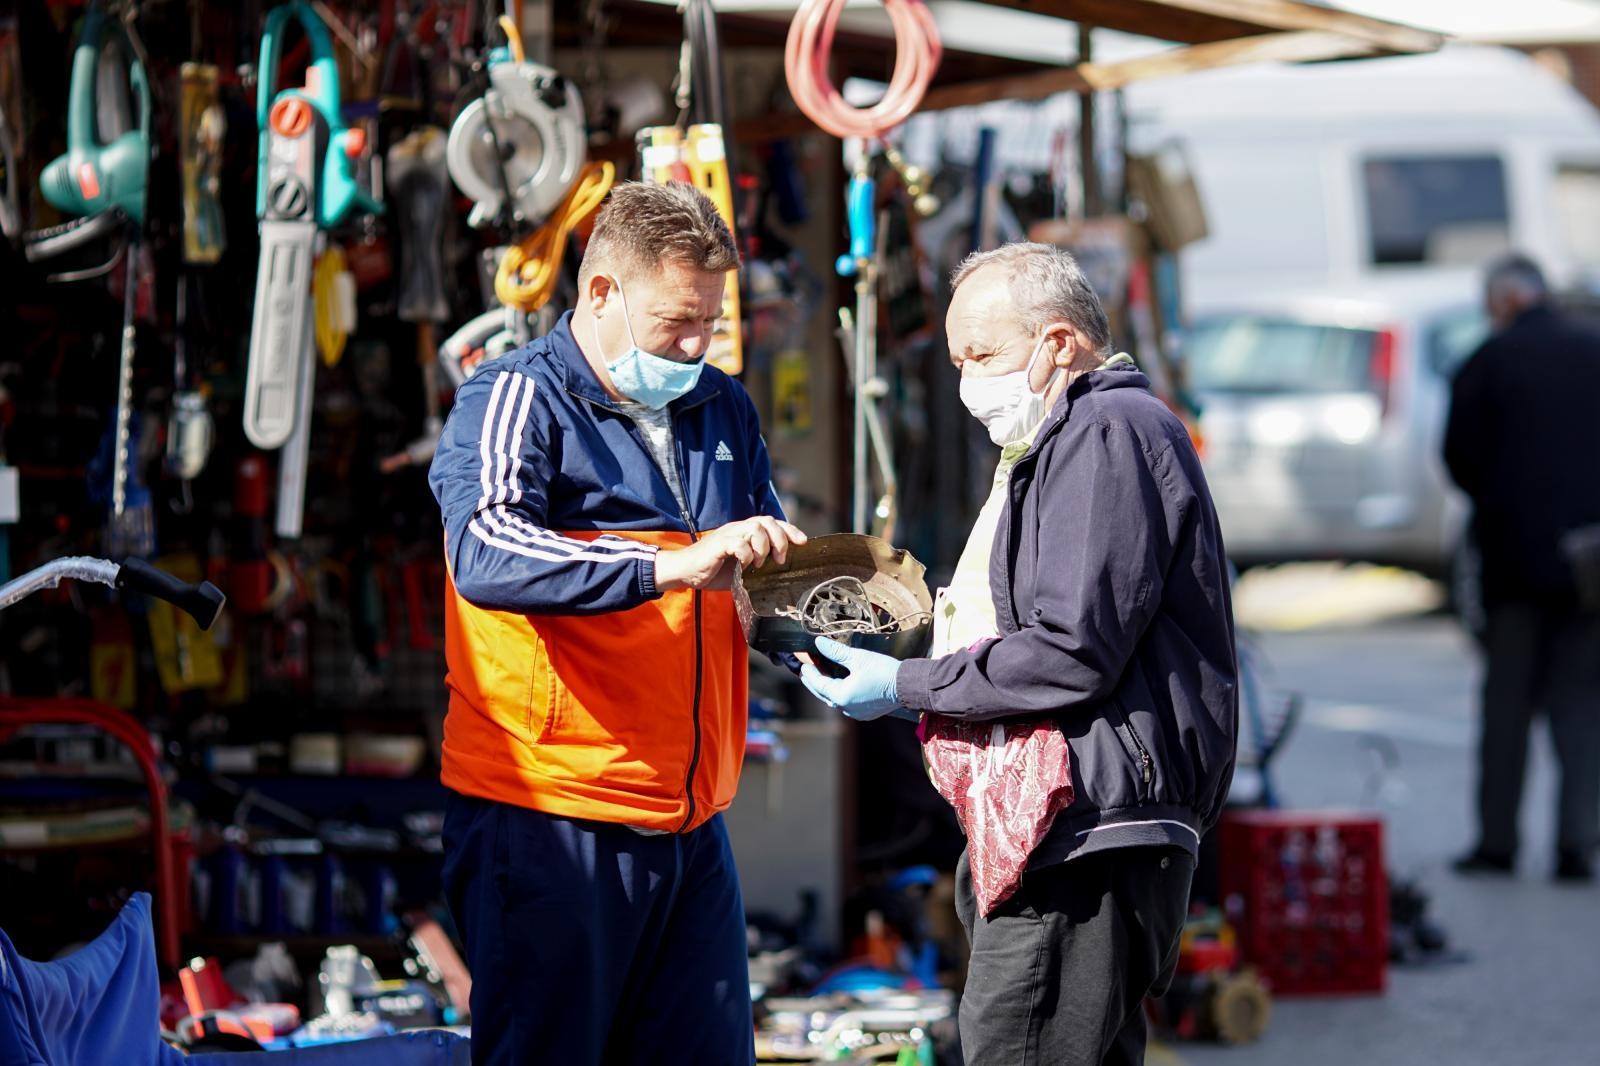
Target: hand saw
(305,184)
(699,156)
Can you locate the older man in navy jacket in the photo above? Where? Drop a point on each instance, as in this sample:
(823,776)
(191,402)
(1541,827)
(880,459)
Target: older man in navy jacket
(1107,600)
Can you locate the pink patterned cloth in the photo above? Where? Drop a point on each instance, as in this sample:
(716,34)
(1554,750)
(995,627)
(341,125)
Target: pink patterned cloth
(1006,781)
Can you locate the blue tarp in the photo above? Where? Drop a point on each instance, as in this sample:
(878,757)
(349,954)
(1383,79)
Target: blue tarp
(101,1007)
(98,1007)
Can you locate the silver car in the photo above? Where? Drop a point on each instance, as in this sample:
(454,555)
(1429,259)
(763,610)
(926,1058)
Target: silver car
(1321,416)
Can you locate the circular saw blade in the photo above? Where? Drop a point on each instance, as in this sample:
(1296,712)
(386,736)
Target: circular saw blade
(512,139)
(515,146)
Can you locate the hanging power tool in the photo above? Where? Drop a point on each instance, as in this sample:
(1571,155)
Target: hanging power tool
(305,185)
(104,183)
(94,177)
(517,149)
(519,152)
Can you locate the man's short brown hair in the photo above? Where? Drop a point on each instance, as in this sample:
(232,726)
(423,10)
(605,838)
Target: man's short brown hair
(643,225)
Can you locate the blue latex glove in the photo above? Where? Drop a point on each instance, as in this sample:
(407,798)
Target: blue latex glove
(869,690)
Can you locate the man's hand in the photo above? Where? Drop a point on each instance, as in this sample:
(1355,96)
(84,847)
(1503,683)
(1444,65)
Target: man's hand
(867,692)
(708,563)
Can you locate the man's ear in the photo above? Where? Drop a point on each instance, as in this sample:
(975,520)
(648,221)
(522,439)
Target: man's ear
(598,292)
(1063,343)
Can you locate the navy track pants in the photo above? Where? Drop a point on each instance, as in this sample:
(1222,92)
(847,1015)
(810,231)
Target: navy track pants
(590,943)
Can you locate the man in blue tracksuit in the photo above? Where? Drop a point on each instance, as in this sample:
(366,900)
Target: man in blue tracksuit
(597,488)
(1101,607)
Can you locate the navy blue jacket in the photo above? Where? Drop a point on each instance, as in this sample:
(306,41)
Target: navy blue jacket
(1111,592)
(570,461)
(577,687)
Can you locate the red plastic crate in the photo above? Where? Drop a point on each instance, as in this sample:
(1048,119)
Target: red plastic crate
(1307,894)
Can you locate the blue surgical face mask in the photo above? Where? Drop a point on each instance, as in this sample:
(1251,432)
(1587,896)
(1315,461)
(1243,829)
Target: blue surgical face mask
(643,377)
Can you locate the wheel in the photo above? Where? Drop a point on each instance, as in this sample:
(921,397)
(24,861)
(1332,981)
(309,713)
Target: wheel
(1240,1008)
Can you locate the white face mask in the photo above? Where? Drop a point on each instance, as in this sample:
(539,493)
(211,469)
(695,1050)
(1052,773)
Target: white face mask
(1004,403)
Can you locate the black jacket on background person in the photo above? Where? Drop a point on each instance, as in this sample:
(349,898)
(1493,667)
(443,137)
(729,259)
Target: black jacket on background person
(1523,441)
(1111,593)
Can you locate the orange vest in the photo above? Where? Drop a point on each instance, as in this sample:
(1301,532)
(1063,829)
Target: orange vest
(634,716)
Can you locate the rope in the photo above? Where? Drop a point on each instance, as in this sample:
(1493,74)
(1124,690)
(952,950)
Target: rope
(530,269)
(808,49)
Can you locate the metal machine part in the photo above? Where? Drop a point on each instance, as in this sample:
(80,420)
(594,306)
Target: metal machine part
(519,146)
(859,590)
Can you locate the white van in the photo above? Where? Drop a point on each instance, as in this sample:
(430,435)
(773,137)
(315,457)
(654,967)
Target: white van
(1349,172)
(1352,207)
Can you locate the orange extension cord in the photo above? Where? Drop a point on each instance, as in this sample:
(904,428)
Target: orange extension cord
(806,65)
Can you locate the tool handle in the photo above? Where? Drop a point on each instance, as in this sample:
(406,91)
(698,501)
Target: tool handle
(322,87)
(203,601)
(863,224)
(85,67)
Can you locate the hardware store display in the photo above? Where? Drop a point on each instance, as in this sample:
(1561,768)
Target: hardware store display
(252,251)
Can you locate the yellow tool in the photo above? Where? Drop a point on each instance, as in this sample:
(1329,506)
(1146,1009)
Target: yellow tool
(699,156)
(333,295)
(530,268)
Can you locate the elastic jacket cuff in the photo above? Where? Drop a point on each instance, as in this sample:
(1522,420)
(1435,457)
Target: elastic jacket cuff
(911,684)
(647,576)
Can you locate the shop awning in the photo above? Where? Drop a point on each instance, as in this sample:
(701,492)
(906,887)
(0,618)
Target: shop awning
(996,50)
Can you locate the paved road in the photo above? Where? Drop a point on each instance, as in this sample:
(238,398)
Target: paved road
(1531,992)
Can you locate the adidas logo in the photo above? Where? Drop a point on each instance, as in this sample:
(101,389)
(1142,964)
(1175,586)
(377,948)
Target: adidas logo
(724,453)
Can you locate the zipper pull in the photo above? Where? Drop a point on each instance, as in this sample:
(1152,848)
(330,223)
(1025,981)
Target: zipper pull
(1149,770)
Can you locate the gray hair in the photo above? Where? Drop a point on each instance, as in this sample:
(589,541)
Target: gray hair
(1518,277)
(1047,285)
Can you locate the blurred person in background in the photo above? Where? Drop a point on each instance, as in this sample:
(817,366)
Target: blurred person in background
(1523,441)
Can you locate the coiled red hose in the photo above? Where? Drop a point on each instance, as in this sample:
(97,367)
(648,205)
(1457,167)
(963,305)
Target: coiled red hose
(806,65)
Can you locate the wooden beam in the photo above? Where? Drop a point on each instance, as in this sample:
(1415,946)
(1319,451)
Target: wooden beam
(1293,15)
(1095,77)
(1267,48)
(1206,21)
(1150,18)
(1014,87)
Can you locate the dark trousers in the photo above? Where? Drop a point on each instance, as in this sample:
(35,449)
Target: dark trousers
(589,943)
(1059,973)
(1540,659)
